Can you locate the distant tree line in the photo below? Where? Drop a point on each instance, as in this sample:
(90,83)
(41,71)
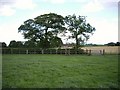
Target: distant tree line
(108,44)
(113,44)
(57,43)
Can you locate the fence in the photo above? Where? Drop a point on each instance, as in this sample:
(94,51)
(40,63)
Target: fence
(108,49)
(50,51)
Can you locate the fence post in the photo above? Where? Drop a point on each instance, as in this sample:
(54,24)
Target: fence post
(86,51)
(69,51)
(19,50)
(11,51)
(100,52)
(65,51)
(56,51)
(42,51)
(75,51)
(103,51)
(89,52)
(26,51)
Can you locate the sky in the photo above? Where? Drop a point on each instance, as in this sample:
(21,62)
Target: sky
(101,14)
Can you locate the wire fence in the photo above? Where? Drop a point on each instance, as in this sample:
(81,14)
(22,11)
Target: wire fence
(50,51)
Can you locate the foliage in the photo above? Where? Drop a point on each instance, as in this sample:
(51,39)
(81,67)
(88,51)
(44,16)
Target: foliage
(117,44)
(113,44)
(29,44)
(12,43)
(4,45)
(56,42)
(15,44)
(42,28)
(79,29)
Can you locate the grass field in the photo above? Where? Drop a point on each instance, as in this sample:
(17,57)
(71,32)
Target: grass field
(60,71)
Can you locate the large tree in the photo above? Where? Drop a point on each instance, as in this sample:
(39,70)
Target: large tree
(4,45)
(78,28)
(56,42)
(42,28)
(15,44)
(12,44)
(30,44)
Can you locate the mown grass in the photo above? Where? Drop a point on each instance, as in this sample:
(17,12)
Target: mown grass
(60,71)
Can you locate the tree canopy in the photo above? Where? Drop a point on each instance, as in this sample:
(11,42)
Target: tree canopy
(4,44)
(79,29)
(44,29)
(15,44)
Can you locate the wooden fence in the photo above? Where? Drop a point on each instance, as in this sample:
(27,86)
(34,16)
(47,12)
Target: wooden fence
(50,51)
(108,49)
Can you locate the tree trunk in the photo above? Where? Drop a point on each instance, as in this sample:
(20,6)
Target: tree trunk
(46,39)
(77,43)
(46,33)
(76,37)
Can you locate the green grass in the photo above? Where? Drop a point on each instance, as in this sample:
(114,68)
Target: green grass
(60,71)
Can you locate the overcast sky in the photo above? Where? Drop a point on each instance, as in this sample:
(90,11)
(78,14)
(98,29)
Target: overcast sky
(101,14)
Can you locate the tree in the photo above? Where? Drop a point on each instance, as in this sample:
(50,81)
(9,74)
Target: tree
(56,42)
(19,44)
(79,29)
(117,44)
(42,28)
(4,45)
(12,44)
(111,44)
(15,44)
(30,44)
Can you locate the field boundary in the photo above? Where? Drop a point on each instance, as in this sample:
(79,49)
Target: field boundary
(108,49)
(51,51)
(92,50)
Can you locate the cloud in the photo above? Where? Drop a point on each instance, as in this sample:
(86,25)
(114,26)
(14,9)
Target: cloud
(109,3)
(26,4)
(6,10)
(80,1)
(55,1)
(10,32)
(105,1)
(92,6)
(8,7)
(106,31)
